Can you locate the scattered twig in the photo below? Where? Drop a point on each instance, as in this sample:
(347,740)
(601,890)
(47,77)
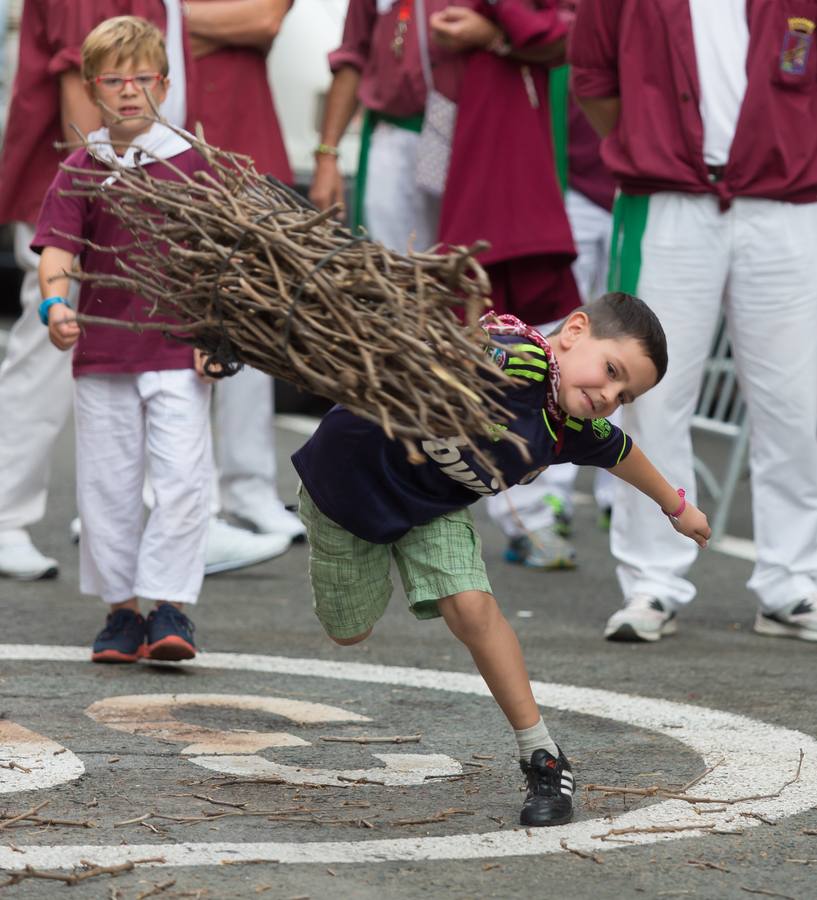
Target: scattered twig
(651,829)
(580,853)
(15,765)
(159,888)
(705,864)
(31,812)
(372,739)
(441,816)
(89,870)
(765,892)
(759,817)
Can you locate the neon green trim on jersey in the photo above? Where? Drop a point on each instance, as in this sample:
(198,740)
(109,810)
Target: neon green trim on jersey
(520,361)
(575,424)
(524,373)
(623,448)
(547,425)
(528,348)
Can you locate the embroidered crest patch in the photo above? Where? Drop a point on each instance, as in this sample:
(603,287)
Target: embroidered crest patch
(497,355)
(797,46)
(601,428)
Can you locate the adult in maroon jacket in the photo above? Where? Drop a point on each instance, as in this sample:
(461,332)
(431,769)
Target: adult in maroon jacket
(707,111)
(493,60)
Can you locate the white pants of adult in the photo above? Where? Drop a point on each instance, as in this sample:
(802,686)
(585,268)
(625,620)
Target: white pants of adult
(758,260)
(397,212)
(520,509)
(127,426)
(35,400)
(244,426)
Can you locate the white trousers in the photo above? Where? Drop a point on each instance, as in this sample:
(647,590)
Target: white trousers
(397,212)
(521,508)
(759,260)
(244,426)
(35,400)
(129,426)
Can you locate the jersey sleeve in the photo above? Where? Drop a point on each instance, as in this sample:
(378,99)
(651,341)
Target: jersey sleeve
(523,360)
(594,442)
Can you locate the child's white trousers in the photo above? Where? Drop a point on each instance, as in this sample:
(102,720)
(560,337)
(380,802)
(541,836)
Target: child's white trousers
(126,426)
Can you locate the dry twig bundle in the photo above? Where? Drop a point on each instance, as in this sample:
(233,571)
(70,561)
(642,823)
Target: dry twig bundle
(255,275)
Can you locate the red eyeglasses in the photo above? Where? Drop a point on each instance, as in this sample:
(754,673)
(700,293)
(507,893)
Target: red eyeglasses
(113,84)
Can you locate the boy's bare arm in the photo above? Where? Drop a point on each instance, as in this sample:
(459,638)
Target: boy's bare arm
(76,108)
(638,471)
(63,330)
(244,23)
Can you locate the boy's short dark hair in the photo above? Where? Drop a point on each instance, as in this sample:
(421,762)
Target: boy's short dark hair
(618,315)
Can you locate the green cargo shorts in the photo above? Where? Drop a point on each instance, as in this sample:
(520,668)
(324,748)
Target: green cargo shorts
(350,577)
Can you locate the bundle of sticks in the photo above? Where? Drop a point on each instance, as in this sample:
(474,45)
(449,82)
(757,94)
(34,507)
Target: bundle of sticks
(253,274)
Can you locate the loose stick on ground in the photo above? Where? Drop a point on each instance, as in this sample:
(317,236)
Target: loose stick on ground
(373,739)
(78,875)
(594,856)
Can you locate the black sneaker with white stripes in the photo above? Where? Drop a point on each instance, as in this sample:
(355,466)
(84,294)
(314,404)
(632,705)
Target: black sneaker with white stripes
(550,790)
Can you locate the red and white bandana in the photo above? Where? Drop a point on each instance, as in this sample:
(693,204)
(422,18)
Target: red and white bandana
(508,324)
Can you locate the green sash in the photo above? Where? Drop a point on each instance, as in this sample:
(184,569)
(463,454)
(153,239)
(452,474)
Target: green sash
(370,120)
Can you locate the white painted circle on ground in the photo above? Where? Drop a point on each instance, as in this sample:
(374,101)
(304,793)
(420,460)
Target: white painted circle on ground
(734,744)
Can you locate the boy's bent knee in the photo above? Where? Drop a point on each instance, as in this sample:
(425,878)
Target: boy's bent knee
(469,613)
(347,642)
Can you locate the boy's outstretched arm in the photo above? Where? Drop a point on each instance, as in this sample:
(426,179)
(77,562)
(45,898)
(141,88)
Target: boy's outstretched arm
(55,262)
(638,471)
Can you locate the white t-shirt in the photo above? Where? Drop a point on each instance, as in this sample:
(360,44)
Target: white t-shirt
(721,35)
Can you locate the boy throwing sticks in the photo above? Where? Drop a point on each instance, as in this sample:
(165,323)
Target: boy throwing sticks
(363,502)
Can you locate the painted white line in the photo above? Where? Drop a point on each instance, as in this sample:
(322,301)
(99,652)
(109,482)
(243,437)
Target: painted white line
(740,548)
(306,425)
(31,762)
(753,758)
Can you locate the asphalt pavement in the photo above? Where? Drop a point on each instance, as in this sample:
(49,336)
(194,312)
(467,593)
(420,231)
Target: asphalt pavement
(282,766)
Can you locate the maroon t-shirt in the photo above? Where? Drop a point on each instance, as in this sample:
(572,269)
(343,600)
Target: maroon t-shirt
(106,349)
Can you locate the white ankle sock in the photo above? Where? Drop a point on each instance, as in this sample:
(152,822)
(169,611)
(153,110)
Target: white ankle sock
(534,738)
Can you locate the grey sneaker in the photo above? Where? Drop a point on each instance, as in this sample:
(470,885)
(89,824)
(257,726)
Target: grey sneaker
(797,620)
(544,548)
(643,618)
(561,517)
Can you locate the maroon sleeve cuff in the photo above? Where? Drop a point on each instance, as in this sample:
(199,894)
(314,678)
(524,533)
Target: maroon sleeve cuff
(526,27)
(585,82)
(63,61)
(345,57)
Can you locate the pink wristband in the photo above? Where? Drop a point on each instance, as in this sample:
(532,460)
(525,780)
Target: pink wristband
(681,507)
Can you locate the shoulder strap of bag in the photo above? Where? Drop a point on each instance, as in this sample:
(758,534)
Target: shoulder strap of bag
(421,18)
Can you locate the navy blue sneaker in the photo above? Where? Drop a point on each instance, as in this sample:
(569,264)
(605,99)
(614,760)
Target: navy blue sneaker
(169,634)
(122,640)
(550,790)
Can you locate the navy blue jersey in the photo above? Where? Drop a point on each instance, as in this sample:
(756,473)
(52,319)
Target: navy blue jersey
(363,481)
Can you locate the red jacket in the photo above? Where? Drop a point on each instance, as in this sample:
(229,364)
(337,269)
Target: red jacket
(643,52)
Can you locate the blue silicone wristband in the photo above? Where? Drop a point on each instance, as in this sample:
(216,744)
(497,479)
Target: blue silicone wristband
(47,304)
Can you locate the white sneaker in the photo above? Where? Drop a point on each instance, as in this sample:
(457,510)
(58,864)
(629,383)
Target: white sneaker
(75,530)
(272,519)
(797,620)
(20,559)
(231,548)
(643,618)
